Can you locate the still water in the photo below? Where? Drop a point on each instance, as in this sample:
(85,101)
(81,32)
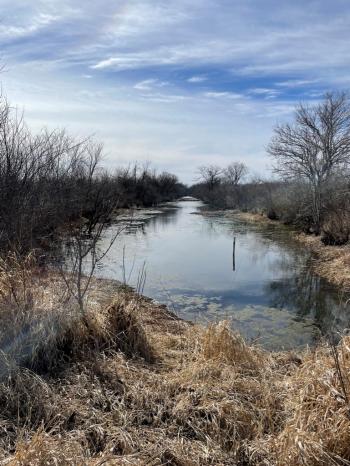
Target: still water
(268,291)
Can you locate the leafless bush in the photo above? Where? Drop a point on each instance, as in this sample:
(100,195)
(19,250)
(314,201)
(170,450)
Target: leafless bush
(336,227)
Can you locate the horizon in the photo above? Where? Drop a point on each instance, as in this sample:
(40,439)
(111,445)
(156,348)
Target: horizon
(180,85)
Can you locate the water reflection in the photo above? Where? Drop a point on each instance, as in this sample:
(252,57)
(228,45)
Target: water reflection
(308,295)
(272,295)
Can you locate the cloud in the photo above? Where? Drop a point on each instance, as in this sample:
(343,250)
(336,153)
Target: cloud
(252,61)
(197,79)
(13,32)
(149,84)
(297,82)
(140,34)
(170,55)
(223,95)
(164,98)
(265,92)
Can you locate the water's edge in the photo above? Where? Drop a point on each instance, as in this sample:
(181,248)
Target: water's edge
(270,292)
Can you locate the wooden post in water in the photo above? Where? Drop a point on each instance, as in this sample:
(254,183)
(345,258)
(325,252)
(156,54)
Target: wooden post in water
(234,254)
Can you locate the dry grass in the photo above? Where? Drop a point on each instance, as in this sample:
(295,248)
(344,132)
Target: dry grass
(330,262)
(251,217)
(140,387)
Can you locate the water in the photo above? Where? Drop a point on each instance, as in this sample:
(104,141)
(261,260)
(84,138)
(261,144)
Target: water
(270,294)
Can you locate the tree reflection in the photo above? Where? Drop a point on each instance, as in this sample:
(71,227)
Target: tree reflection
(309,296)
(144,221)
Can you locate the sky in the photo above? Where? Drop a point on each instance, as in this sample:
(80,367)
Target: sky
(179,83)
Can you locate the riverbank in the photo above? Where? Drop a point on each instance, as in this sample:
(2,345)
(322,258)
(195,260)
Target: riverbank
(131,384)
(329,262)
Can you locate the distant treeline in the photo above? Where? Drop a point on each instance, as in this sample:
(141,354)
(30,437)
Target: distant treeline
(311,156)
(142,186)
(50,179)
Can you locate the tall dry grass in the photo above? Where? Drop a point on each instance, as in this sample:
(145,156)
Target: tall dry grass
(135,385)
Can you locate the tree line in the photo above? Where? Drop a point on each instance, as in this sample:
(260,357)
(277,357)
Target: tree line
(51,179)
(311,158)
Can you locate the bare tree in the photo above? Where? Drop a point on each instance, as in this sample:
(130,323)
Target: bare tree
(315,146)
(235,172)
(211,175)
(98,204)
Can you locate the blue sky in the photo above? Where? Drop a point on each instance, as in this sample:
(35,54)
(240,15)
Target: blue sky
(179,83)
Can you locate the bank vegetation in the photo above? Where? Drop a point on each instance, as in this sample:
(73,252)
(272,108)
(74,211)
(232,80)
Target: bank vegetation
(311,158)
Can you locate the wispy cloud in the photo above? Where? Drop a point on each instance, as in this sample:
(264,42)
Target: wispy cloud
(197,79)
(223,95)
(149,84)
(164,98)
(264,92)
(204,58)
(297,82)
(36,24)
